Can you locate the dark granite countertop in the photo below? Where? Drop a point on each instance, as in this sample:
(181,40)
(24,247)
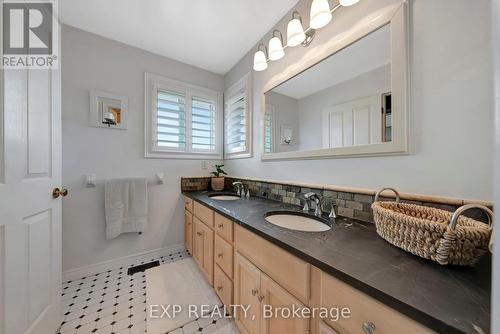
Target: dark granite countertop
(445,299)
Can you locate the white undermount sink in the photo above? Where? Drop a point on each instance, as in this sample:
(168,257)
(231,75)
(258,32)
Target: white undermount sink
(224,197)
(297,221)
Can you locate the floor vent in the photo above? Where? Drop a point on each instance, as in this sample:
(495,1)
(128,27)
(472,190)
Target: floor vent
(142,267)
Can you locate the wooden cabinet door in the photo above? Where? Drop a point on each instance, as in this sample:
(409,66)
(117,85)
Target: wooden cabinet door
(208,253)
(275,297)
(246,293)
(198,241)
(325,329)
(188,231)
(203,248)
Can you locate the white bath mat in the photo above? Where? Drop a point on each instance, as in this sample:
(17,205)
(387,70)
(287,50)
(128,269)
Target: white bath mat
(178,283)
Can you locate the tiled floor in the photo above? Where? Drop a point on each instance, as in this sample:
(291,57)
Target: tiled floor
(114,302)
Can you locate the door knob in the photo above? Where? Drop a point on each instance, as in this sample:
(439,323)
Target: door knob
(254,292)
(56,192)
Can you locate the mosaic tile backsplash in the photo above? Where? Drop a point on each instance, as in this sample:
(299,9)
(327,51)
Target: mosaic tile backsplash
(195,183)
(348,204)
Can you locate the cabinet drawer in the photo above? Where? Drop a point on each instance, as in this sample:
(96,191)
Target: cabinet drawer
(224,227)
(223,286)
(289,271)
(204,214)
(364,310)
(224,255)
(188,204)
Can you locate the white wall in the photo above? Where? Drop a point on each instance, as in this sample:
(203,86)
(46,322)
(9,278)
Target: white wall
(495,308)
(286,113)
(312,107)
(93,62)
(451,106)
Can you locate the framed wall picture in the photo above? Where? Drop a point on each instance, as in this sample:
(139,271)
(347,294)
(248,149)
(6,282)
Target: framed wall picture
(108,110)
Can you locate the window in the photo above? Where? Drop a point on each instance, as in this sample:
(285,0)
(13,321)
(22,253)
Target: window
(182,120)
(268,129)
(237,120)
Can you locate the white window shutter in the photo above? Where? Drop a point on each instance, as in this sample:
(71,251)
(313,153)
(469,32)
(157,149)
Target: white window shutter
(170,120)
(268,132)
(237,120)
(182,120)
(203,121)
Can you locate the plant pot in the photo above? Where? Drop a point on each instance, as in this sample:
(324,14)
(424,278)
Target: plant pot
(218,183)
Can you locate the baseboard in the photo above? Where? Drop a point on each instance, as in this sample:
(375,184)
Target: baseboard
(77,273)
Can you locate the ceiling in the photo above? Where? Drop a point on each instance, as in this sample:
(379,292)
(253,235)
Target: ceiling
(210,34)
(371,52)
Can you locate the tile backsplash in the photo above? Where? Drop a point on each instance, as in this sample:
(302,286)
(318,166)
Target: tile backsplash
(195,183)
(348,204)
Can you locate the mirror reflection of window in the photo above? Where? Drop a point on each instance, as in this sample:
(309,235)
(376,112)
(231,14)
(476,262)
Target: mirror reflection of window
(344,100)
(386,118)
(268,129)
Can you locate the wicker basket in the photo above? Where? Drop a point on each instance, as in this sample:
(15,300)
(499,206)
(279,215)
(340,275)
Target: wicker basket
(438,235)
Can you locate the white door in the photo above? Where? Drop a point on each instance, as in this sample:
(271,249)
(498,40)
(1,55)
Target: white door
(30,218)
(358,122)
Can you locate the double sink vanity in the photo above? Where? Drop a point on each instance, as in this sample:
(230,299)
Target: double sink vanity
(254,251)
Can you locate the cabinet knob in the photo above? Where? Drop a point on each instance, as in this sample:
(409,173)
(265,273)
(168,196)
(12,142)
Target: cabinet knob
(219,288)
(220,255)
(199,233)
(221,225)
(261,298)
(368,327)
(254,292)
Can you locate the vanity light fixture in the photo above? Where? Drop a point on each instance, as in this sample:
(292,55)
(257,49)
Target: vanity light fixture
(320,14)
(276,46)
(346,3)
(260,58)
(295,32)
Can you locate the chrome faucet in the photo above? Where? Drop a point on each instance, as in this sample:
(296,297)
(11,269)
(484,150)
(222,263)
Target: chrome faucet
(317,200)
(240,189)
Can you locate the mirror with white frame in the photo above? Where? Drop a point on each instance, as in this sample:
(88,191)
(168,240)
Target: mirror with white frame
(351,103)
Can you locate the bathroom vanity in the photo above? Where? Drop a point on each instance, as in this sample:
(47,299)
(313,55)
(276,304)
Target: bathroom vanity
(252,262)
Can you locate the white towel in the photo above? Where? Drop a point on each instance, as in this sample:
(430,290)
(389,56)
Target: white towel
(126,205)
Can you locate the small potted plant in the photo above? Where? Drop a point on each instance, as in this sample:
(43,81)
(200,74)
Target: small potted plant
(218,178)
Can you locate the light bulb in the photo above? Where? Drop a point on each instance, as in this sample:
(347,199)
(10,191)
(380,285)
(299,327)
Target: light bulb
(259,61)
(276,49)
(295,33)
(346,3)
(320,14)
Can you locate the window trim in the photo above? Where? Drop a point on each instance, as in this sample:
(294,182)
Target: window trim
(246,82)
(154,81)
